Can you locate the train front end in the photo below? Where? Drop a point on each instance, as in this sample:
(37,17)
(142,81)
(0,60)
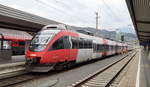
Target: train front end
(36,53)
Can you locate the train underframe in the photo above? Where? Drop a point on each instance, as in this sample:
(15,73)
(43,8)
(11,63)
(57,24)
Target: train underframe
(34,66)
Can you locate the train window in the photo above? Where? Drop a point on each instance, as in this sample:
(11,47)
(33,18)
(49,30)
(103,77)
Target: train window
(116,47)
(100,47)
(58,44)
(85,43)
(113,47)
(105,47)
(89,44)
(6,45)
(22,43)
(74,42)
(110,47)
(94,47)
(81,43)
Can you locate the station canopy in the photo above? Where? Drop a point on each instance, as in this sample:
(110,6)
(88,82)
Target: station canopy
(19,20)
(140,14)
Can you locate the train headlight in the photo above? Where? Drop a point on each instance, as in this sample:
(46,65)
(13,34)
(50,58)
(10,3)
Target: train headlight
(35,60)
(29,61)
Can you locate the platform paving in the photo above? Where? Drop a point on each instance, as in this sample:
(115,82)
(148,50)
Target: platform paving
(18,58)
(145,69)
(129,75)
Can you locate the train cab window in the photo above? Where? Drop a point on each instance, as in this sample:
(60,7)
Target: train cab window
(61,43)
(58,44)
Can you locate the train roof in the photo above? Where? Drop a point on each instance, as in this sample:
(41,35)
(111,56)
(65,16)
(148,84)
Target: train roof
(84,33)
(55,26)
(15,34)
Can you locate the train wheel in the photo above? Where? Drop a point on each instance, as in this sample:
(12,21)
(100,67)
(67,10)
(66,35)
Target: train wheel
(64,65)
(60,66)
(71,64)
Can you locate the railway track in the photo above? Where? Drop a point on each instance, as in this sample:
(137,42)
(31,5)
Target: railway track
(104,76)
(19,79)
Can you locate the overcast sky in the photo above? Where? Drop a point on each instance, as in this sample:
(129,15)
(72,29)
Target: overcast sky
(112,13)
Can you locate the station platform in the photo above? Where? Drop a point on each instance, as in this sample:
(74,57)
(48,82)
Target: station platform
(15,59)
(144,78)
(12,67)
(139,74)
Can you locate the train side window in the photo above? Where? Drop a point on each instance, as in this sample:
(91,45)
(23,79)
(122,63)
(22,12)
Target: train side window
(90,44)
(85,44)
(22,43)
(74,42)
(94,47)
(58,44)
(6,45)
(101,47)
(81,43)
(105,47)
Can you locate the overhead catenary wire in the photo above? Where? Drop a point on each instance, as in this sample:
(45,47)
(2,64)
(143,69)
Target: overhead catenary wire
(112,12)
(48,6)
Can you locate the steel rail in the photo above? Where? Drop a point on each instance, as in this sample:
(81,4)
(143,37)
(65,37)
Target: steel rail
(81,83)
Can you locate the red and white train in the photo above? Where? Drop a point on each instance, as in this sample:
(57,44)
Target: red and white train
(56,46)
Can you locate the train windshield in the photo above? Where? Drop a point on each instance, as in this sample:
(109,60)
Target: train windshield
(41,40)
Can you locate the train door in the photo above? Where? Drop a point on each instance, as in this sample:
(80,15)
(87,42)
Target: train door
(73,48)
(67,47)
(5,48)
(94,49)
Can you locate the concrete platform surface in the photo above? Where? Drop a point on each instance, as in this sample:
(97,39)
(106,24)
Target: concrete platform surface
(144,69)
(15,59)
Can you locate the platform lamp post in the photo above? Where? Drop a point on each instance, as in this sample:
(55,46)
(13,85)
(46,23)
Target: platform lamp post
(117,34)
(97,17)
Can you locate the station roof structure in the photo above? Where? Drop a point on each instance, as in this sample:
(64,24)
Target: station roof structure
(19,20)
(140,14)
